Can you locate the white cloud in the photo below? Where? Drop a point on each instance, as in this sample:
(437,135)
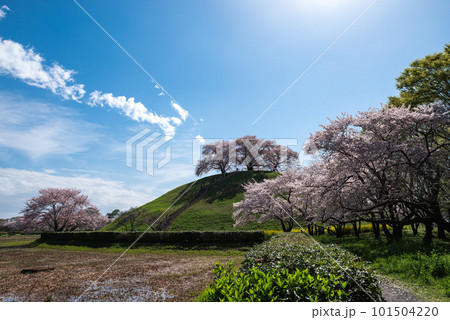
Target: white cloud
(17,185)
(24,64)
(3,11)
(176,120)
(39,129)
(182,112)
(200,139)
(134,110)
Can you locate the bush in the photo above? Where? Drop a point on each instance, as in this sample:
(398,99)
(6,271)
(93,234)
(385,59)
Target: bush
(256,285)
(293,252)
(182,238)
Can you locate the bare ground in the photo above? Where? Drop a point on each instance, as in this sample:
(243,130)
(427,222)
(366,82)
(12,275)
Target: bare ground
(395,291)
(135,277)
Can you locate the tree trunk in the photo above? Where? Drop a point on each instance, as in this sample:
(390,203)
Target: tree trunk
(355,228)
(290,225)
(414,228)
(441,226)
(282,225)
(441,232)
(339,229)
(321,230)
(376,230)
(428,232)
(397,232)
(386,232)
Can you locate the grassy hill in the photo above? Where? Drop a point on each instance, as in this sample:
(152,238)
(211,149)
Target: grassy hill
(206,205)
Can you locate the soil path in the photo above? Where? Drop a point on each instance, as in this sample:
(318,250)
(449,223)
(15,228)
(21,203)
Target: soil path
(395,291)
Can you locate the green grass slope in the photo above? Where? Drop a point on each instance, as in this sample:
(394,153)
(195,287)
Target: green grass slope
(212,212)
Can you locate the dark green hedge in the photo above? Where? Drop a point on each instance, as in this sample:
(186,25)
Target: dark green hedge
(184,237)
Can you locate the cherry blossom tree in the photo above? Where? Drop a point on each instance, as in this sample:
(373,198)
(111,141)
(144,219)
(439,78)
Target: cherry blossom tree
(216,156)
(279,158)
(387,166)
(60,209)
(279,199)
(251,152)
(248,152)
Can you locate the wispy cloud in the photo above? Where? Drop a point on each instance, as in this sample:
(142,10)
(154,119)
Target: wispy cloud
(134,110)
(17,185)
(182,112)
(3,11)
(38,129)
(158,86)
(24,64)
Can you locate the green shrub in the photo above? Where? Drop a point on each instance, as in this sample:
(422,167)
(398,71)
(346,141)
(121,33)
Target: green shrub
(293,251)
(440,267)
(256,285)
(447,290)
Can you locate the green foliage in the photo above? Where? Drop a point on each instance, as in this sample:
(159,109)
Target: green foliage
(409,260)
(237,238)
(428,267)
(274,285)
(426,80)
(294,251)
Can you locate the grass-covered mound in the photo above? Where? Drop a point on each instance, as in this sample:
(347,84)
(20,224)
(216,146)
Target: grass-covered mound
(296,269)
(208,202)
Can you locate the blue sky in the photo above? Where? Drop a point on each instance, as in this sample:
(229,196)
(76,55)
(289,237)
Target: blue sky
(224,62)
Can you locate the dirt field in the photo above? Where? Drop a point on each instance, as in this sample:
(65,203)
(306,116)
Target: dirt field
(135,277)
